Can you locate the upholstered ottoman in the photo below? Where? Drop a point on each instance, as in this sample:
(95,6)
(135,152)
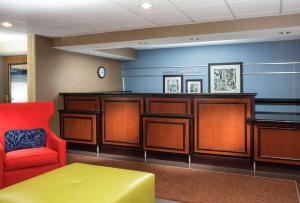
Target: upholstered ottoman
(83,183)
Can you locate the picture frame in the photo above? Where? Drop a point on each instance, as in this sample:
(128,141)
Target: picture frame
(173,84)
(194,86)
(225,77)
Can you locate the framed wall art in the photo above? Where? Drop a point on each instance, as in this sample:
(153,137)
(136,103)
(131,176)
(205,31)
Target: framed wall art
(193,86)
(225,77)
(173,83)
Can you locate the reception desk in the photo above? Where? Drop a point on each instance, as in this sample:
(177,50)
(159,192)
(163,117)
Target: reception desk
(277,139)
(187,124)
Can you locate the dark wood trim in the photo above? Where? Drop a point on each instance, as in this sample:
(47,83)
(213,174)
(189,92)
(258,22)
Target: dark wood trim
(122,150)
(192,126)
(181,148)
(268,158)
(124,144)
(81,147)
(21,63)
(78,112)
(277,113)
(276,121)
(91,140)
(124,94)
(167,148)
(74,117)
(231,63)
(191,80)
(276,101)
(166,115)
(98,130)
(148,107)
(89,98)
(64,101)
(186,101)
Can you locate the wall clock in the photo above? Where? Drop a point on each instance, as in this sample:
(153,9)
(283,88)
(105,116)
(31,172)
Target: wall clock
(101,72)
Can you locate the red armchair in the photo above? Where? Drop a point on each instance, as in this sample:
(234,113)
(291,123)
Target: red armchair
(19,165)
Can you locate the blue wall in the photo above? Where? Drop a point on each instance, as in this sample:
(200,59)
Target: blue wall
(257,78)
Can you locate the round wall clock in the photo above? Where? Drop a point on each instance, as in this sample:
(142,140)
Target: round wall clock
(101,72)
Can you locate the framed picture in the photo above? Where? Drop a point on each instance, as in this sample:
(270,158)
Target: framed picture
(225,77)
(193,86)
(173,83)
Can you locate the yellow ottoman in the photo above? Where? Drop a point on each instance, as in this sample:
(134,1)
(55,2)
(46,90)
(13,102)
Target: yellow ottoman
(83,183)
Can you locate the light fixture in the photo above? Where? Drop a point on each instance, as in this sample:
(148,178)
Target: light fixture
(194,39)
(146,5)
(6,24)
(284,33)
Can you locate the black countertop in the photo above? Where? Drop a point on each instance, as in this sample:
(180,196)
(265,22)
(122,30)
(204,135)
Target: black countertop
(277,118)
(124,93)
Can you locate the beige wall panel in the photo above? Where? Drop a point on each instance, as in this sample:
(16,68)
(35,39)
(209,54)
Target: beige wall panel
(60,71)
(31,68)
(1,79)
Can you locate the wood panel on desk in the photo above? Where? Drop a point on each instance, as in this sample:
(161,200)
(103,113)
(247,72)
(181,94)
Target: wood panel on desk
(121,120)
(166,134)
(83,103)
(221,126)
(278,144)
(162,105)
(79,128)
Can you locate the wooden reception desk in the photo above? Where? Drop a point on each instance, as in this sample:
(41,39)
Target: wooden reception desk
(186,124)
(277,138)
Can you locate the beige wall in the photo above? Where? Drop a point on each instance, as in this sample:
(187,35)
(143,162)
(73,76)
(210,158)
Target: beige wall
(1,79)
(31,67)
(60,71)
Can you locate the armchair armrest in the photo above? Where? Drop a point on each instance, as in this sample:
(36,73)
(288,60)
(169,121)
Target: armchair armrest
(59,145)
(2,159)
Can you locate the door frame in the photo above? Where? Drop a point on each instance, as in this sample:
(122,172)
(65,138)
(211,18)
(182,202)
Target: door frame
(11,60)
(9,82)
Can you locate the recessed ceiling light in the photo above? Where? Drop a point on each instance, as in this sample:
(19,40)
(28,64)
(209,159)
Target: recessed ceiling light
(194,39)
(146,5)
(285,33)
(6,24)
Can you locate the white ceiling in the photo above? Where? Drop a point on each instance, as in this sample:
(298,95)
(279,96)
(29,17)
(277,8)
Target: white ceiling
(9,35)
(12,42)
(74,17)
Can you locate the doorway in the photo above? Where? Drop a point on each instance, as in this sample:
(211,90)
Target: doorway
(18,85)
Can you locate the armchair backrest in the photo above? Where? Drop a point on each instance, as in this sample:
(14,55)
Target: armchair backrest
(25,116)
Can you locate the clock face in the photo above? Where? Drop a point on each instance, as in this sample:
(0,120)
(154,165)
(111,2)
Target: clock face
(101,72)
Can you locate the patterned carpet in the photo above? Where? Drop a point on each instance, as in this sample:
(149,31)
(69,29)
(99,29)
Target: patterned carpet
(197,186)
